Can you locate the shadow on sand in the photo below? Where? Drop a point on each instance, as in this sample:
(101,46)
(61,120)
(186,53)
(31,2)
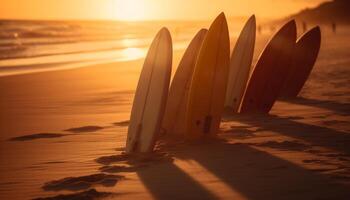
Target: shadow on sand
(315,135)
(340,108)
(253,173)
(167,181)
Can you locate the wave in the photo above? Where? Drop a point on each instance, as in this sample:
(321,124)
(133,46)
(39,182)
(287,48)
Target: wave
(27,46)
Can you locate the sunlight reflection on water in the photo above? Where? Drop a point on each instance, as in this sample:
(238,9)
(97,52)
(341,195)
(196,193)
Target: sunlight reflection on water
(132,53)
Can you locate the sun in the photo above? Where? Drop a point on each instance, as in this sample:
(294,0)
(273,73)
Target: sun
(129,10)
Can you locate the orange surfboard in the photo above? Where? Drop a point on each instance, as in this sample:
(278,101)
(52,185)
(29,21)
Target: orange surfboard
(208,87)
(174,117)
(305,55)
(270,72)
(150,96)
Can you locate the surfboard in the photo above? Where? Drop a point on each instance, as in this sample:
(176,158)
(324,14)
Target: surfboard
(304,58)
(270,72)
(150,96)
(208,86)
(240,65)
(174,117)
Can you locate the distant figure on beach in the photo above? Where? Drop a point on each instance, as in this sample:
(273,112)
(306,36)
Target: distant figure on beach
(304,26)
(334,27)
(259,29)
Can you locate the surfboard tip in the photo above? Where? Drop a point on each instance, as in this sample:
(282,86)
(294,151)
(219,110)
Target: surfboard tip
(220,20)
(252,18)
(164,30)
(289,28)
(291,24)
(203,30)
(313,34)
(251,22)
(220,17)
(316,30)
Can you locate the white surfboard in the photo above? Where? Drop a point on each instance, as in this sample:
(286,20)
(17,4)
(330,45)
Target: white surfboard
(174,118)
(150,96)
(240,65)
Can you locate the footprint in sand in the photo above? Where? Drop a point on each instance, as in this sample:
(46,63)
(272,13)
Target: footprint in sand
(85,129)
(37,136)
(122,123)
(89,194)
(107,160)
(82,182)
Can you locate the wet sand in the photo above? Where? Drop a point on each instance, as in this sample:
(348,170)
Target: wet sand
(63,133)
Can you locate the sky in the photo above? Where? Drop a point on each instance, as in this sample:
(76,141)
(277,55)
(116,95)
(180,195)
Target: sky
(148,9)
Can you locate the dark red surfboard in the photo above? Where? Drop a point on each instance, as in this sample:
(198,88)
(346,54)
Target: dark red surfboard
(270,72)
(304,58)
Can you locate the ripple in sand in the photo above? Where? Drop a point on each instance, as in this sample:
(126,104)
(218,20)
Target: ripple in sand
(82,182)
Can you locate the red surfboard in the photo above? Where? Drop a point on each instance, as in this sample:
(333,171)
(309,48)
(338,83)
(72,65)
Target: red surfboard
(305,55)
(270,72)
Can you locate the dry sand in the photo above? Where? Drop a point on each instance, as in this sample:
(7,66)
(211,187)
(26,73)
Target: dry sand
(63,133)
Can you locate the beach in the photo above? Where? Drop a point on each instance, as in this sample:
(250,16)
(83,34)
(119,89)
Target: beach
(63,133)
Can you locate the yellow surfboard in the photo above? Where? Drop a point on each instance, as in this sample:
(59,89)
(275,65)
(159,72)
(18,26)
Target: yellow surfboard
(208,87)
(174,117)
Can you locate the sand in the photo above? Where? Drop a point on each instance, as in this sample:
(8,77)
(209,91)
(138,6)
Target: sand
(63,133)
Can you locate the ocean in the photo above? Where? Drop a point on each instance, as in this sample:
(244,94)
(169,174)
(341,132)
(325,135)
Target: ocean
(27,46)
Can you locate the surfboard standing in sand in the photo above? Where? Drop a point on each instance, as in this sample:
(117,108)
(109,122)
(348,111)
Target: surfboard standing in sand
(151,94)
(208,87)
(174,116)
(304,58)
(270,72)
(240,65)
